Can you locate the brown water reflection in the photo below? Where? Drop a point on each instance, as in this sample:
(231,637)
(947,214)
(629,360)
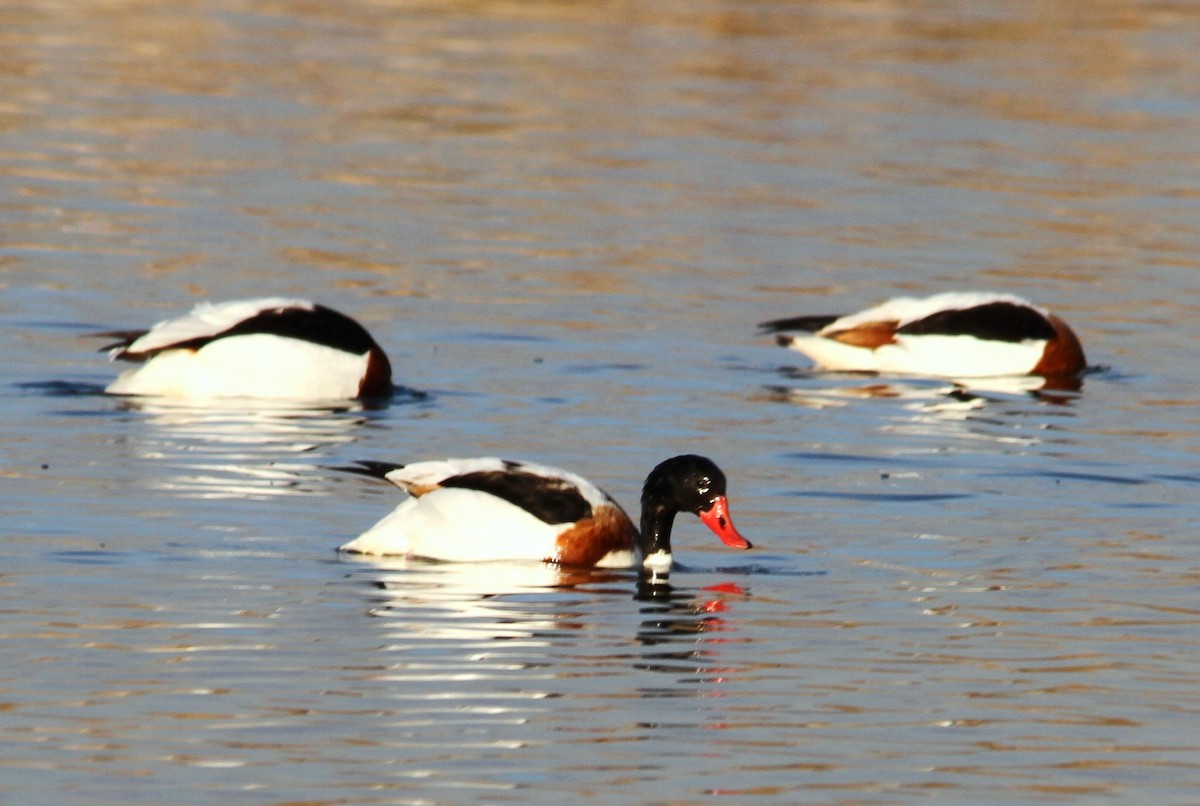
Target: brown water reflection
(563,220)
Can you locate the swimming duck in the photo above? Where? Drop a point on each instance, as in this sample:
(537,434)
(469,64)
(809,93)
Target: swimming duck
(497,509)
(953,335)
(263,348)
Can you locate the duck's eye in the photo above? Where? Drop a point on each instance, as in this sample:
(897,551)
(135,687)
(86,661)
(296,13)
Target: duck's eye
(704,486)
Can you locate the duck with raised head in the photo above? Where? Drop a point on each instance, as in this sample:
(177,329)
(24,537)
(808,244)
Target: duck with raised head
(470,510)
(273,347)
(949,335)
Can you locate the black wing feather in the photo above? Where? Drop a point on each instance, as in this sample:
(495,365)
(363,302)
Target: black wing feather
(547,499)
(321,325)
(376,470)
(124,338)
(809,324)
(995,321)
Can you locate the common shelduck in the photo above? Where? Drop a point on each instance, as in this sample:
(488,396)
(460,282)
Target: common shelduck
(952,335)
(263,348)
(494,509)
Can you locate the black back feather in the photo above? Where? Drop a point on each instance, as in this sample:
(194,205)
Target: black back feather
(994,321)
(321,325)
(547,499)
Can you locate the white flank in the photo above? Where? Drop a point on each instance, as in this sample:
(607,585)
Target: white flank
(257,365)
(459,525)
(828,354)
(942,356)
(959,356)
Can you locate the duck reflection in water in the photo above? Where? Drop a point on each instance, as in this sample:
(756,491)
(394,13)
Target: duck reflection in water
(431,600)
(231,448)
(686,617)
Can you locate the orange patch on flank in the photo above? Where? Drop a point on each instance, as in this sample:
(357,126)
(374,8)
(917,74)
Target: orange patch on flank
(1063,355)
(418,490)
(869,335)
(608,529)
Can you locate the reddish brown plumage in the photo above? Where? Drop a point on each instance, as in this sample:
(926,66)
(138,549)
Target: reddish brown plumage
(377,380)
(590,539)
(1063,355)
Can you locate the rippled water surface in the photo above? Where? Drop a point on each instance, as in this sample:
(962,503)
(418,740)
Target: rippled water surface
(563,221)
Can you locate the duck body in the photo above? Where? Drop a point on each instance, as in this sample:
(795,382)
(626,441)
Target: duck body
(487,509)
(954,335)
(272,347)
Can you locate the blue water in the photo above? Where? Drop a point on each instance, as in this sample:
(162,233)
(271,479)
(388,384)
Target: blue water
(563,222)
